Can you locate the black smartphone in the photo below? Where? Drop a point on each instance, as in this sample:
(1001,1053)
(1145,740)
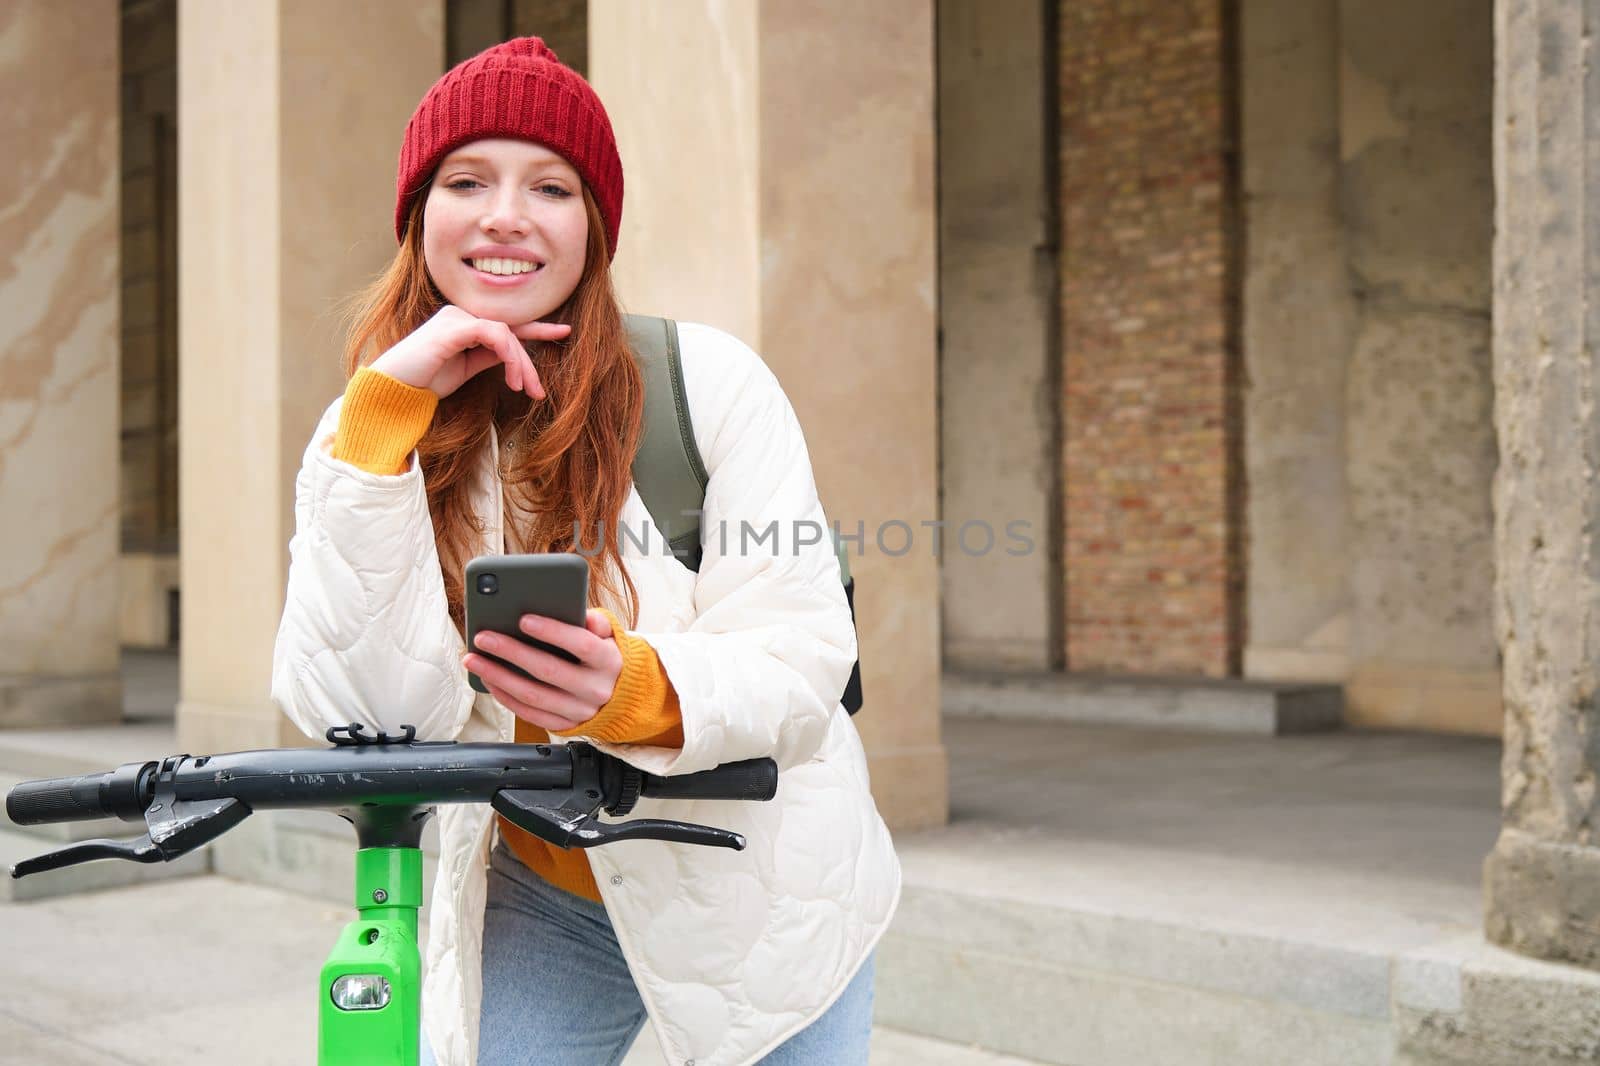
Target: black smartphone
(503,588)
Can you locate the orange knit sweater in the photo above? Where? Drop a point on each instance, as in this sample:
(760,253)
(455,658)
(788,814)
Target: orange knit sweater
(380,423)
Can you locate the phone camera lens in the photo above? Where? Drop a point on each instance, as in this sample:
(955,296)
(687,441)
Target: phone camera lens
(488,584)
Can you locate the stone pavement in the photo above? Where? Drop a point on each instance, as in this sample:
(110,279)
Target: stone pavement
(206,970)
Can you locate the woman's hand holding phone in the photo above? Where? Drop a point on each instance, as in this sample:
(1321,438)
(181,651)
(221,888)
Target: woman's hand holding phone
(454,346)
(566,694)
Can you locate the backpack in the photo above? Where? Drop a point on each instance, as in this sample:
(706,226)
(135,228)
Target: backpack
(668,471)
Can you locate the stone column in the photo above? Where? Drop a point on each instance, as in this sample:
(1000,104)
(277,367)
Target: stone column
(1299,317)
(1542,881)
(784,191)
(1416,185)
(59,405)
(291,114)
(1001,446)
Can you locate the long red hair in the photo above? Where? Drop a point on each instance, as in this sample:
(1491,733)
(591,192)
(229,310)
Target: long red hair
(573,465)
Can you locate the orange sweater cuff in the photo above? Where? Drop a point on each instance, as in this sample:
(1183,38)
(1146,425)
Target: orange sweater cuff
(643,708)
(381,421)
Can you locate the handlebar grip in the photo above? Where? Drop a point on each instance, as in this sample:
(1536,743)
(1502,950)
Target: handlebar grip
(752,779)
(120,793)
(56,799)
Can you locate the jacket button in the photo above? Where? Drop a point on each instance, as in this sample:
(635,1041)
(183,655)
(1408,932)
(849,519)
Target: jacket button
(616,879)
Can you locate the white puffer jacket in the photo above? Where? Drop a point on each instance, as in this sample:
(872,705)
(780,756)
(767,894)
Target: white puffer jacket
(733,952)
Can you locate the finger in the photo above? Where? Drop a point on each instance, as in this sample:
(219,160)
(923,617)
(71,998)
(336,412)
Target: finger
(552,670)
(511,353)
(479,359)
(534,694)
(536,389)
(530,376)
(543,719)
(491,335)
(598,623)
(468,333)
(542,331)
(576,639)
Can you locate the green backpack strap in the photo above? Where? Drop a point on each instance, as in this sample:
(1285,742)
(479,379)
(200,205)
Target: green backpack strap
(669,473)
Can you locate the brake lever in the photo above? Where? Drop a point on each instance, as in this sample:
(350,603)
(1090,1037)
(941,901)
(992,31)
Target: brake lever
(174,828)
(180,826)
(141,850)
(571,823)
(566,818)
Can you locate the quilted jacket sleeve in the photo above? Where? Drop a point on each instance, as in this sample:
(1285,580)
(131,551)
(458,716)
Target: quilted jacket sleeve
(760,670)
(366,634)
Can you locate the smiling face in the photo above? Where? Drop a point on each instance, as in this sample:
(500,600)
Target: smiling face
(504,231)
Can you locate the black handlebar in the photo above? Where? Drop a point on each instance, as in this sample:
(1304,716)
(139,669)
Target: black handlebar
(384,786)
(297,777)
(756,779)
(123,793)
(56,799)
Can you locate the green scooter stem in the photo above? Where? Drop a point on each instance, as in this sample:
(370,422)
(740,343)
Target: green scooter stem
(384,1028)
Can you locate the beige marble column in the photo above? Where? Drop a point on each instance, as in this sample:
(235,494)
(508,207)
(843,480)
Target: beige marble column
(1542,880)
(290,116)
(781,186)
(59,311)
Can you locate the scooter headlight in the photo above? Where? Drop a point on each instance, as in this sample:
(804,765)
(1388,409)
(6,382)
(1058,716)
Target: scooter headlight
(361,991)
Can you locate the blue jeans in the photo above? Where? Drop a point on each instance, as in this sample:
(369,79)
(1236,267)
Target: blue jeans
(557,992)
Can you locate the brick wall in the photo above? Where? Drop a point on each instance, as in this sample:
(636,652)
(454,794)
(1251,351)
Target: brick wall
(1151,429)
(149,276)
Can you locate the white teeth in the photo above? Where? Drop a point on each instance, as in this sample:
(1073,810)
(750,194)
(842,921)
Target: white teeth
(503,266)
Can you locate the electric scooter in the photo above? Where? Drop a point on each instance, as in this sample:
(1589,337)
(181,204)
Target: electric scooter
(387,788)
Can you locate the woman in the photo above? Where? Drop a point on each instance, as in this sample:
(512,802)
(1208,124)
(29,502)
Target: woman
(493,406)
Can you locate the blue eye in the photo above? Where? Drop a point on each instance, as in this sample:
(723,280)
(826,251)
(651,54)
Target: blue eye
(552,189)
(459,182)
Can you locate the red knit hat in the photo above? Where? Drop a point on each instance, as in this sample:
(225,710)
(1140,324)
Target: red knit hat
(517,89)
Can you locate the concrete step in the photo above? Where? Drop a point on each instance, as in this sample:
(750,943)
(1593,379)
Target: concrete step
(1088,952)
(86,877)
(1225,706)
(66,831)
(1068,986)
(34,753)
